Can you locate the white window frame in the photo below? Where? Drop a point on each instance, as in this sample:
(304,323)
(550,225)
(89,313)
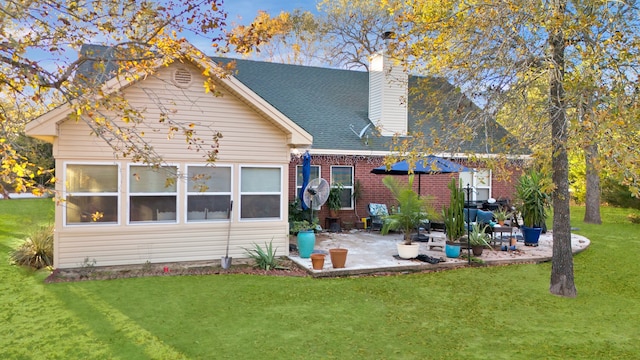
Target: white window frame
(280,193)
(345,187)
(299,185)
(130,194)
(67,193)
(476,176)
(189,192)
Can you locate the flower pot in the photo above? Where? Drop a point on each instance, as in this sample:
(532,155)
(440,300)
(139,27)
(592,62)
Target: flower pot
(501,222)
(531,235)
(452,250)
(513,241)
(477,250)
(338,257)
(306,243)
(317,261)
(408,251)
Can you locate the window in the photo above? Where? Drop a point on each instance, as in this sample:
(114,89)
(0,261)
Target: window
(260,192)
(480,181)
(208,193)
(315,173)
(344,175)
(92,194)
(152,194)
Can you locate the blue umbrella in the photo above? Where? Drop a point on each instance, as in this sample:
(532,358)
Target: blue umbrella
(306,174)
(428,165)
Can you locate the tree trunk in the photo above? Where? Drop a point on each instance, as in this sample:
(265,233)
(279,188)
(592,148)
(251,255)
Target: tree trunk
(592,199)
(562,279)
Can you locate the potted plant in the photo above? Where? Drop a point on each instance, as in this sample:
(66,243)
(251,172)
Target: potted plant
(334,201)
(501,216)
(413,212)
(453,217)
(478,239)
(533,199)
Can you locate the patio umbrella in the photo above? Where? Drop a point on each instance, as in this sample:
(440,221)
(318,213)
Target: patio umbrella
(429,165)
(306,174)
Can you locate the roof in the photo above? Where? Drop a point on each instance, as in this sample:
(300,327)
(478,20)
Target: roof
(332,105)
(44,127)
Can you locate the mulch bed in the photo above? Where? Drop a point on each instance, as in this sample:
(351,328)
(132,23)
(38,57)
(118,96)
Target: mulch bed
(238,266)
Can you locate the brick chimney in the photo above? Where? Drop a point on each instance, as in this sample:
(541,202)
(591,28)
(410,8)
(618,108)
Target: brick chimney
(388,92)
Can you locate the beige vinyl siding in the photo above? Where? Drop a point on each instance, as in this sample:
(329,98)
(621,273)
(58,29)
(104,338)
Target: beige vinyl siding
(376,79)
(388,84)
(248,140)
(246,134)
(122,245)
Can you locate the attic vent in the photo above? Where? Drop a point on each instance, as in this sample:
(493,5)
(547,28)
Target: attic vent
(182,77)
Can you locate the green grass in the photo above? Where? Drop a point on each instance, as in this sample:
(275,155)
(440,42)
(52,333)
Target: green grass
(473,313)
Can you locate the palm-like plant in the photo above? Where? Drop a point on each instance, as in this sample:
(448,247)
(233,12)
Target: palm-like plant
(413,209)
(533,198)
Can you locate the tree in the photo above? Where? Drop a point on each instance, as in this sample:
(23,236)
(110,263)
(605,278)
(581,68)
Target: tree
(39,45)
(497,50)
(344,34)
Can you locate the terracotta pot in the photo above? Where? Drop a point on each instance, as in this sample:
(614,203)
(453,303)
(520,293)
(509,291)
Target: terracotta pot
(501,222)
(338,257)
(513,241)
(317,261)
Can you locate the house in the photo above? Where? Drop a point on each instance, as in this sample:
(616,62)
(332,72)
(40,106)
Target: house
(353,115)
(116,211)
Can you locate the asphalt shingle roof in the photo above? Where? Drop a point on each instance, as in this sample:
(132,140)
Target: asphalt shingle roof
(327,103)
(332,105)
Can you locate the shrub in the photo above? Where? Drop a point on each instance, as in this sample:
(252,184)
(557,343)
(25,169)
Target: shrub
(265,258)
(37,249)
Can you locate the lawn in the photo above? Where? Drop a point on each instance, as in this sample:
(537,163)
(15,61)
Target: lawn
(501,312)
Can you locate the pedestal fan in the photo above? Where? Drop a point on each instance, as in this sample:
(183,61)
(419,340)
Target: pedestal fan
(314,195)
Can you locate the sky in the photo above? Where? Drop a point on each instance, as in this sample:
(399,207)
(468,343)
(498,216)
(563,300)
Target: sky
(243,11)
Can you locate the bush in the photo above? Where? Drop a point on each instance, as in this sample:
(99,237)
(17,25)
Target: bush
(265,259)
(37,250)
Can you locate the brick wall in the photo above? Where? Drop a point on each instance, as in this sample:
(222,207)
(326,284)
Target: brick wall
(374,191)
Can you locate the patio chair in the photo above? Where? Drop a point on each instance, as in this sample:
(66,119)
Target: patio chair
(376,214)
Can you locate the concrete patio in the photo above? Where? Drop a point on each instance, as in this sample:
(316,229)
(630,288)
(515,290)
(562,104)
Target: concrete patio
(370,252)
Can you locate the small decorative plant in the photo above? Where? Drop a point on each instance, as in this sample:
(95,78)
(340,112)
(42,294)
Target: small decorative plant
(265,258)
(501,215)
(414,210)
(478,236)
(37,250)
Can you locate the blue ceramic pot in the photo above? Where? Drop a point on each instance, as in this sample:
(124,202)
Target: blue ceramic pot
(452,251)
(531,235)
(306,243)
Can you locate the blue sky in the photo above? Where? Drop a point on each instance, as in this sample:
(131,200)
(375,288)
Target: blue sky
(247,9)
